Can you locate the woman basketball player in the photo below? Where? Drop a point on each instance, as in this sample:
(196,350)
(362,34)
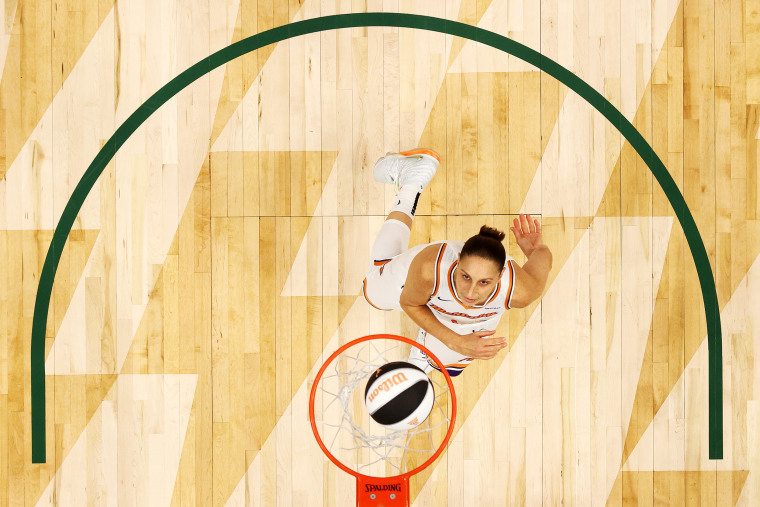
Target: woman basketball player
(455,291)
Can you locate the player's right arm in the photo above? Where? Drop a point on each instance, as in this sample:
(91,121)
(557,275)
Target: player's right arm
(418,288)
(530,279)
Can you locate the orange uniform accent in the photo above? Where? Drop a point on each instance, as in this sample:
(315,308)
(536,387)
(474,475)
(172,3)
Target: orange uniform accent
(421,151)
(459,314)
(364,291)
(438,268)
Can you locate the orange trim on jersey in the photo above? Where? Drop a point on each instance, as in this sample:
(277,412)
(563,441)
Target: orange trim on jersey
(457,314)
(383,262)
(421,151)
(495,293)
(438,269)
(364,291)
(511,288)
(431,363)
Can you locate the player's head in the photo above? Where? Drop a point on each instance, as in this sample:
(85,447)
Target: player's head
(486,245)
(481,263)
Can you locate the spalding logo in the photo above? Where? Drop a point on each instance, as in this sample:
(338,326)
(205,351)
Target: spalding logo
(398,378)
(382,487)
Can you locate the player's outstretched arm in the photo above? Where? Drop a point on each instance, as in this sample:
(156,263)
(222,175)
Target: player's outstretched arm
(530,279)
(418,288)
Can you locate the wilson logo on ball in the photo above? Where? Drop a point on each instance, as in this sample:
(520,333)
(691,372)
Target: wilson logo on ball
(399,395)
(395,380)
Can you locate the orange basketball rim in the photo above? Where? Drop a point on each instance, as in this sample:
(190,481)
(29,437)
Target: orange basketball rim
(393,490)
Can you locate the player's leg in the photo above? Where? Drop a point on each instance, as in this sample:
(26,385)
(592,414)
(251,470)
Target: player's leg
(454,362)
(409,172)
(417,357)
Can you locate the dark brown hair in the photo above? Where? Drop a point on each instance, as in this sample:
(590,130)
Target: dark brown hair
(486,244)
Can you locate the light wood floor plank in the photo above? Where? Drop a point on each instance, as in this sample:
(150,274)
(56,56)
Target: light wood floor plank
(221,254)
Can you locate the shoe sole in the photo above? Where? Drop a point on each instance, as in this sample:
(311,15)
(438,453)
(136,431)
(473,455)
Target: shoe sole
(421,151)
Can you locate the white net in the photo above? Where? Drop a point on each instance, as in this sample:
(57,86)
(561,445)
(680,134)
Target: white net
(352,436)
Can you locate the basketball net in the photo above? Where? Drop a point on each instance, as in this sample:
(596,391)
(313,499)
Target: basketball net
(381,459)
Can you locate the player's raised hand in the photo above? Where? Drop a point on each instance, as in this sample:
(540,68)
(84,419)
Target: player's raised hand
(527,232)
(477,346)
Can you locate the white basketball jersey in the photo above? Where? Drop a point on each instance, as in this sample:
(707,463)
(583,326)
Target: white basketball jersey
(449,308)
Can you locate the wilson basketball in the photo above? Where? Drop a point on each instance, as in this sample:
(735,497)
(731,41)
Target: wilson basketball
(399,395)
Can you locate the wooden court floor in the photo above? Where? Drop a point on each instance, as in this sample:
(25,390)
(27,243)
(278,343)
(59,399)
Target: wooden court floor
(219,257)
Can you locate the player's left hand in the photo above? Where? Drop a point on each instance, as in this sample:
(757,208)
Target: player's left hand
(527,232)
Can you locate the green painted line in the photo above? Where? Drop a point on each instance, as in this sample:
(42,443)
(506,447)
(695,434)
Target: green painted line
(221,57)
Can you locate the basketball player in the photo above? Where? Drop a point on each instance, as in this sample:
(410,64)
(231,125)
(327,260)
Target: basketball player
(455,291)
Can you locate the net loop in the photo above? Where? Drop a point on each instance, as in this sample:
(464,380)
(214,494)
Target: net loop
(348,434)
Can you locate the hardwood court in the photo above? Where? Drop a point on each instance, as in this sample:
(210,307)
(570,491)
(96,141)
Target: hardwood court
(219,257)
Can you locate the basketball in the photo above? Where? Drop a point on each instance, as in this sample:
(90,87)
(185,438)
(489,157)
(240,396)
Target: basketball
(399,395)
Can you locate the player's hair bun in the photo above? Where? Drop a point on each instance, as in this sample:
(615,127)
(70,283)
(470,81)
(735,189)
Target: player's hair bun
(486,244)
(490,232)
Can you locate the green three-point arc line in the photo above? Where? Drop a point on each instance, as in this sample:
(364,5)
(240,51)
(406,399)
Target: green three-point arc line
(561,74)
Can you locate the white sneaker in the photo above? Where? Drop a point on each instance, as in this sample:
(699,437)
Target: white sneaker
(414,167)
(417,357)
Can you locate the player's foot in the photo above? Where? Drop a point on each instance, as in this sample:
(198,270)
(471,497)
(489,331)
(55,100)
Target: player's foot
(419,359)
(414,167)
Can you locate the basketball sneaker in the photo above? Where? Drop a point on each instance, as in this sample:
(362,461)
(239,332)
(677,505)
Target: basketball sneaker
(419,359)
(417,356)
(414,167)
